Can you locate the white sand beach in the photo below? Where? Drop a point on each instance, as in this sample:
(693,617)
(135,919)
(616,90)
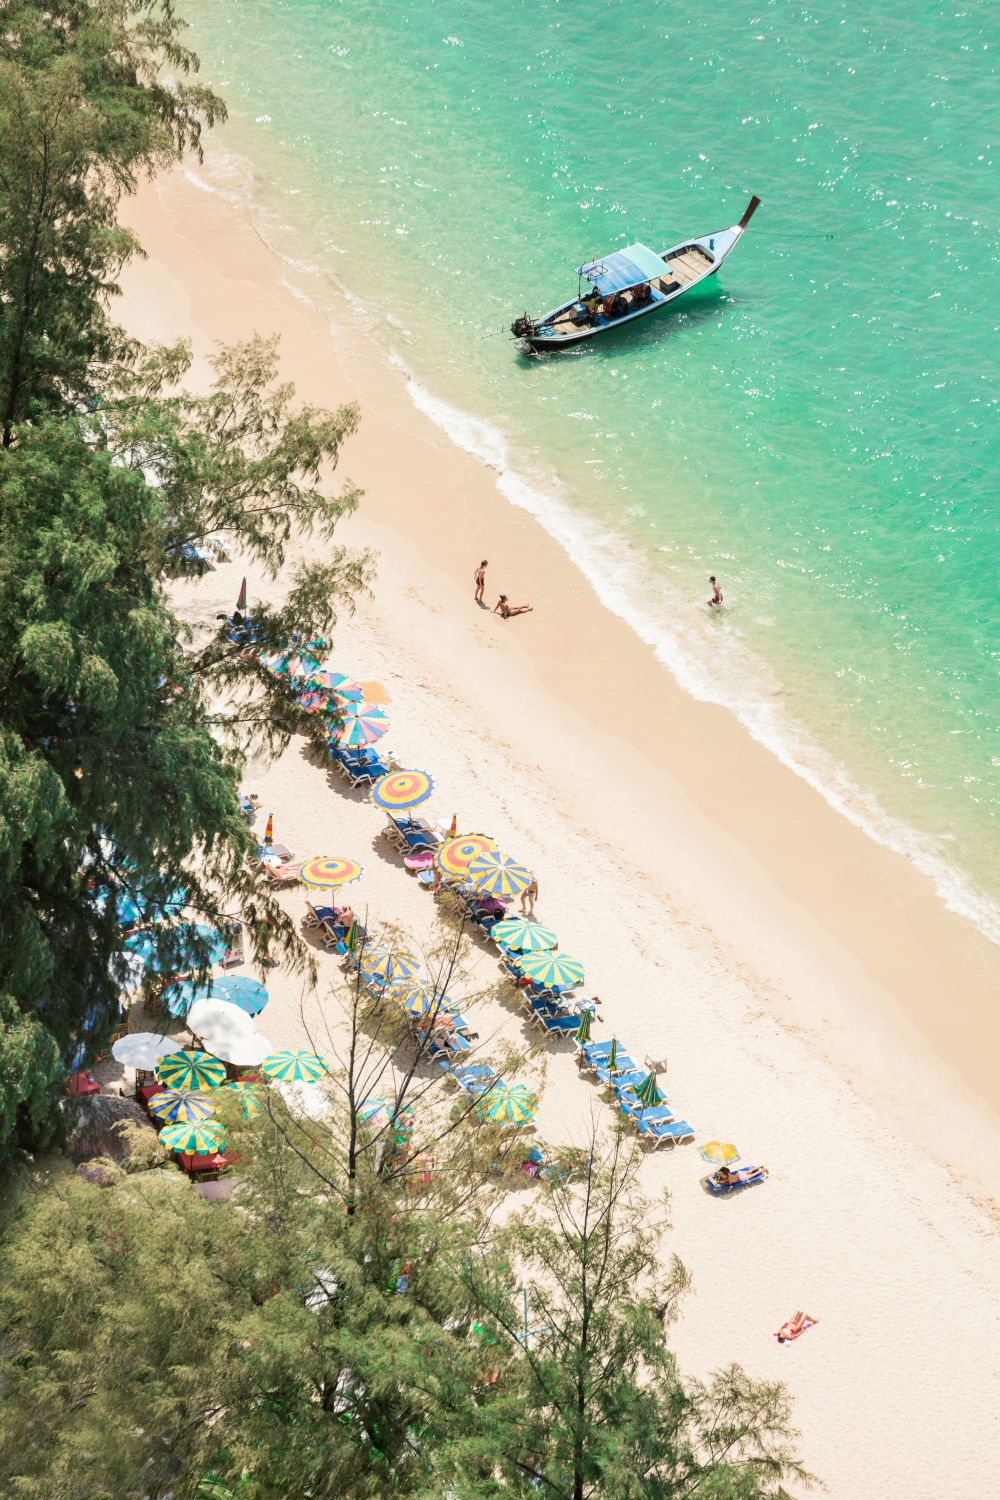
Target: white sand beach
(815,1002)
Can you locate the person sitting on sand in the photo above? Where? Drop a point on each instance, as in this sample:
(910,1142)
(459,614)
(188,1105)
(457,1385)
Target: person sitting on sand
(505,610)
(794,1327)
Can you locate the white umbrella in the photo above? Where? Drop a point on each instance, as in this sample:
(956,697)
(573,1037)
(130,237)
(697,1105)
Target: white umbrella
(308,1099)
(218,1021)
(143,1049)
(243,1051)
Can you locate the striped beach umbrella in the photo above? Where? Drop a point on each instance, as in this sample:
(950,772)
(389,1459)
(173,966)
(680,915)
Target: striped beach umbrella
(362,725)
(294,1067)
(326,871)
(313,702)
(181,1106)
(269,830)
(190,1070)
(456,855)
(340,686)
(553,969)
(401,789)
(199,1136)
(719,1151)
(582,1034)
(415,999)
(453,830)
(612,1054)
(391,963)
(505,1106)
(353,937)
(527,937)
(295,661)
(250,1096)
(239,989)
(497,874)
(647,1093)
(241,603)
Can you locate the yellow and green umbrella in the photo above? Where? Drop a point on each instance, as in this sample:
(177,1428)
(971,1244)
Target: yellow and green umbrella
(197,1137)
(553,969)
(505,1106)
(353,937)
(647,1093)
(176,1106)
(582,1034)
(190,1070)
(328,871)
(456,855)
(527,937)
(294,1067)
(612,1054)
(720,1151)
(497,874)
(401,790)
(250,1095)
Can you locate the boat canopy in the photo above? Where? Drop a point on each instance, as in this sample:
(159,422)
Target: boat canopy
(623,268)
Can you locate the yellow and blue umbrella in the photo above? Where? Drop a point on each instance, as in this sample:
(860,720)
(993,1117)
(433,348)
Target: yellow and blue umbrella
(294,1067)
(414,999)
(647,1093)
(401,789)
(528,937)
(363,724)
(507,1106)
(720,1151)
(327,871)
(582,1034)
(456,855)
(177,1106)
(190,1070)
(497,874)
(552,969)
(391,963)
(250,1095)
(197,1137)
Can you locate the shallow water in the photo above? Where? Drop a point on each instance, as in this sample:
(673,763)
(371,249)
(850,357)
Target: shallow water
(819,428)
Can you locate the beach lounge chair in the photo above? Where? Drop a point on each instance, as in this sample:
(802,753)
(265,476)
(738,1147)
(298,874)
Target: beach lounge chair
(592,1054)
(623,1064)
(475,1078)
(315,916)
(623,1083)
(279,875)
(425,879)
(667,1133)
(561,1025)
(417,862)
(747,1176)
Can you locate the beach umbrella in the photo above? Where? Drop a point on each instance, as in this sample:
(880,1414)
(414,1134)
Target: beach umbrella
(647,1093)
(269,830)
(363,724)
(391,963)
(456,855)
(414,999)
(181,1106)
(190,1070)
(197,1137)
(612,1054)
(352,938)
(552,969)
(453,830)
(218,1020)
(582,1034)
(247,994)
(497,874)
(143,1049)
(242,1051)
(313,701)
(294,1067)
(182,994)
(250,1096)
(401,789)
(241,603)
(335,682)
(328,871)
(528,937)
(505,1106)
(719,1151)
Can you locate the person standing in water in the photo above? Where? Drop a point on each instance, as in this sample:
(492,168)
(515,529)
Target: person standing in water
(481,580)
(716,591)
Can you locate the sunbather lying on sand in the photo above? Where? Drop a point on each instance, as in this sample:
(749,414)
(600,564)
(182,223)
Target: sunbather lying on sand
(794,1327)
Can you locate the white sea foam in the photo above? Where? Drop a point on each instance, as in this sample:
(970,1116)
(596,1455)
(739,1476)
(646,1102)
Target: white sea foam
(728,678)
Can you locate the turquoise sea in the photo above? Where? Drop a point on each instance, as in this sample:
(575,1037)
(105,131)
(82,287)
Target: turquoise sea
(819,429)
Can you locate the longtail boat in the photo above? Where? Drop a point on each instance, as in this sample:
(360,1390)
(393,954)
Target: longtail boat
(629,284)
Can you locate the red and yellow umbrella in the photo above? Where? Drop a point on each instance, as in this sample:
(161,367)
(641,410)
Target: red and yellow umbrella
(326,871)
(456,855)
(401,790)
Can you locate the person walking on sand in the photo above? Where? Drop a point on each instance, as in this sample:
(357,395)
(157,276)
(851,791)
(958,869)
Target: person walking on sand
(529,897)
(505,611)
(716,591)
(481,580)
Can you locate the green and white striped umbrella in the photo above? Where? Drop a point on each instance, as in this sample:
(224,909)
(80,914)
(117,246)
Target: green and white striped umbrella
(647,1093)
(526,937)
(198,1137)
(294,1067)
(583,1033)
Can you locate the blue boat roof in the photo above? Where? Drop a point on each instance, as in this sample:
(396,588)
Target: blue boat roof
(622,268)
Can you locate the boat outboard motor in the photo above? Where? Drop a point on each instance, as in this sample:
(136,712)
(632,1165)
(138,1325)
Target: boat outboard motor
(523,327)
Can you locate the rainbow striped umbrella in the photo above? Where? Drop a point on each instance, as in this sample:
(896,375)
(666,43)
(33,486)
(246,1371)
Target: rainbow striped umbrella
(336,683)
(528,937)
(312,702)
(647,1093)
(507,1106)
(250,1095)
(295,661)
(553,969)
(582,1034)
(294,1067)
(720,1151)
(391,963)
(181,1105)
(199,1136)
(327,870)
(456,855)
(401,789)
(190,1070)
(497,874)
(269,830)
(363,725)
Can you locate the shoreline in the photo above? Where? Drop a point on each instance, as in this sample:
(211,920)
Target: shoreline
(728,917)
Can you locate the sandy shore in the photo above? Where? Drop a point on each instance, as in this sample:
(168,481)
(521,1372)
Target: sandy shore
(816,1002)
